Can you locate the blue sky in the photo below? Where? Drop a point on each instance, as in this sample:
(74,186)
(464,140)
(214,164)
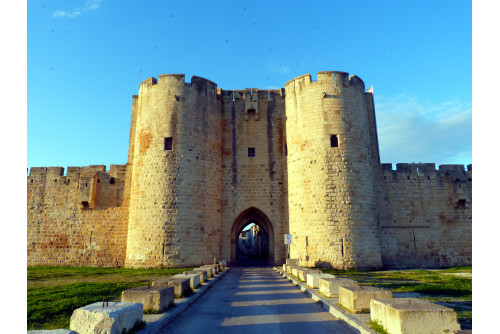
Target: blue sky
(85,60)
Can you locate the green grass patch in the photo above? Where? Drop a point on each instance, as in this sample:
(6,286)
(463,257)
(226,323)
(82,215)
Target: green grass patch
(377,327)
(428,282)
(55,292)
(40,273)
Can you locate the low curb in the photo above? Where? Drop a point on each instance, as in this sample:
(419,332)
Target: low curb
(156,322)
(330,304)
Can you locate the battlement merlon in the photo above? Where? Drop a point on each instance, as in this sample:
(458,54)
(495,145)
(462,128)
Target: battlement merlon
(176,83)
(242,95)
(89,171)
(335,79)
(456,171)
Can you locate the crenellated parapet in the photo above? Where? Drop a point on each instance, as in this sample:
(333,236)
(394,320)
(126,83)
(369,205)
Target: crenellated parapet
(336,82)
(175,83)
(88,186)
(424,176)
(416,171)
(249,99)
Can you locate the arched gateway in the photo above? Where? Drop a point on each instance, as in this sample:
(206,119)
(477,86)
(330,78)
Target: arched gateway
(252,215)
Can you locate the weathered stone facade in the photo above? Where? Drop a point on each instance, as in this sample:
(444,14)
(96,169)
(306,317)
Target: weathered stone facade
(204,162)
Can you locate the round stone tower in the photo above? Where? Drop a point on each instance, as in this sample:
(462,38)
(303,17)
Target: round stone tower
(175,153)
(331,193)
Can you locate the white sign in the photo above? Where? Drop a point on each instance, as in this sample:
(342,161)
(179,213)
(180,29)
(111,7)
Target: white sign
(288,239)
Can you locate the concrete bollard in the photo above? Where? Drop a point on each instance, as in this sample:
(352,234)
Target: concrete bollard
(313,279)
(113,319)
(201,272)
(304,271)
(194,279)
(181,285)
(357,298)
(329,286)
(413,315)
(151,298)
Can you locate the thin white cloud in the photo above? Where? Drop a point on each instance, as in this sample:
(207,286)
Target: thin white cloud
(410,130)
(61,13)
(90,5)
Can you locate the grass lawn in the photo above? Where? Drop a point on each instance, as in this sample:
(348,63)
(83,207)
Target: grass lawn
(55,292)
(448,287)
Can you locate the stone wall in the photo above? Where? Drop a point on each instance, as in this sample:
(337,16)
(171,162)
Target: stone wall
(253,186)
(79,218)
(425,215)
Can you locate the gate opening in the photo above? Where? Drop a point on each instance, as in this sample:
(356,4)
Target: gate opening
(253,246)
(252,239)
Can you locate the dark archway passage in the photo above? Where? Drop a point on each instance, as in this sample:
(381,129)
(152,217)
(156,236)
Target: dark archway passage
(258,246)
(253,246)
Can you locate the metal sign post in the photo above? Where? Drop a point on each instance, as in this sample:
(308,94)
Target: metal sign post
(288,241)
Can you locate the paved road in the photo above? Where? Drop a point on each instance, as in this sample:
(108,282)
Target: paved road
(256,300)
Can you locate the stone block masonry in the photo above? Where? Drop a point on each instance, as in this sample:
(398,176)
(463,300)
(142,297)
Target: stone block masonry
(204,162)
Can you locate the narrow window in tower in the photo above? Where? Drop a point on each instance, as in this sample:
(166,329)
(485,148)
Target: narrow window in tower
(286,149)
(251,151)
(169,143)
(461,203)
(334,141)
(342,245)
